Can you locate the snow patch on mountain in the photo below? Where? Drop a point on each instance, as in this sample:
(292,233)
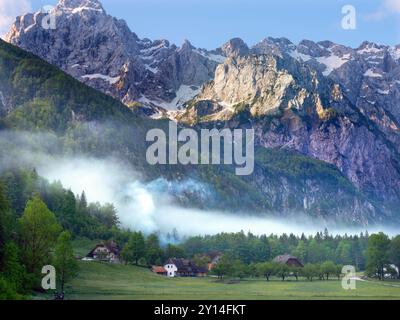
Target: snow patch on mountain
(384,92)
(76,6)
(299,56)
(151,69)
(111,80)
(80,9)
(212,56)
(370,48)
(372,74)
(184,94)
(333,62)
(35,16)
(2,99)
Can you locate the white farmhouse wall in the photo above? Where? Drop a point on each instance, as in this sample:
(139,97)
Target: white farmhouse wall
(171,270)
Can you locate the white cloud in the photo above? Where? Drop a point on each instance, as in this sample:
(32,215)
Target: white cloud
(392,5)
(387,8)
(9,10)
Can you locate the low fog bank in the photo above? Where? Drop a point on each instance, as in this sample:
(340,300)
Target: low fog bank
(144,206)
(149,206)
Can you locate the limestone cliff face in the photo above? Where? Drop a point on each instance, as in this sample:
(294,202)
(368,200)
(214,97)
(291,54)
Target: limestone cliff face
(264,85)
(294,106)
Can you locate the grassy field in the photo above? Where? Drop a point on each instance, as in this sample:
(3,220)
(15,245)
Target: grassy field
(97,281)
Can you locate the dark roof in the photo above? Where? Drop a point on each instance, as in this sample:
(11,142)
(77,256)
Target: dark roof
(180,263)
(285,258)
(109,245)
(202,270)
(185,265)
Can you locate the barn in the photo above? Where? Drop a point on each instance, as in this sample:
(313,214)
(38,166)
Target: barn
(183,268)
(106,252)
(289,260)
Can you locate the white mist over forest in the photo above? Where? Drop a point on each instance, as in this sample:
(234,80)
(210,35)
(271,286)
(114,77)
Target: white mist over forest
(148,207)
(144,206)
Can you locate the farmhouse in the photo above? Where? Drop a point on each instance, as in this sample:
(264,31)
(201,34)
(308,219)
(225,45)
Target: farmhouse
(289,260)
(107,252)
(183,268)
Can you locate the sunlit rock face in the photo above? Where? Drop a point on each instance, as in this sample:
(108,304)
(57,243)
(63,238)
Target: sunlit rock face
(326,101)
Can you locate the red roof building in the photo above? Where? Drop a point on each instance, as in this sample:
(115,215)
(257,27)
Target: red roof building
(159,270)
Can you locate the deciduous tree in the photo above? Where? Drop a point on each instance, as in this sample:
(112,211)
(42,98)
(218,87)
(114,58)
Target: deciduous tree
(266,269)
(378,254)
(135,249)
(39,231)
(64,260)
(395,253)
(309,271)
(282,271)
(154,253)
(328,268)
(5,223)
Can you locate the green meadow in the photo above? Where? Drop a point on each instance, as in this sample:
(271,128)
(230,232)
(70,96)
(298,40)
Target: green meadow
(101,281)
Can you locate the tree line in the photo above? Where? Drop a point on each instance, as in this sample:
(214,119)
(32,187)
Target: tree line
(250,248)
(237,269)
(248,255)
(252,256)
(376,254)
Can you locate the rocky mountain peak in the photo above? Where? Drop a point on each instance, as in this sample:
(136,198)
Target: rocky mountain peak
(370,46)
(274,46)
(311,48)
(80,4)
(187,45)
(236,47)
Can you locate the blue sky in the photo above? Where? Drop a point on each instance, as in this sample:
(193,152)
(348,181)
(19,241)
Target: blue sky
(208,23)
